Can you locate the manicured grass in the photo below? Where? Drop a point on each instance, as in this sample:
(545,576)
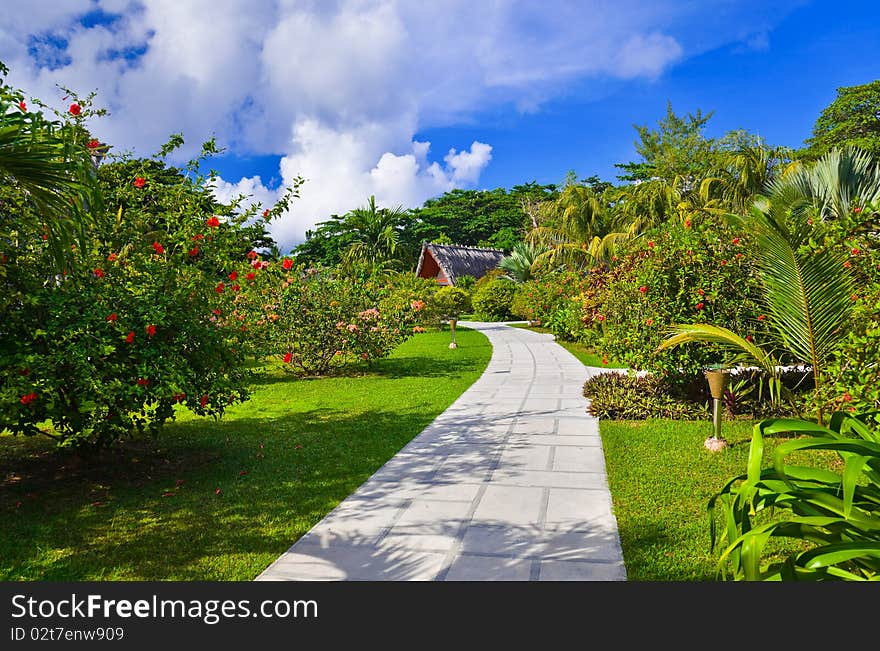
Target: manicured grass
(280,461)
(585,354)
(661,478)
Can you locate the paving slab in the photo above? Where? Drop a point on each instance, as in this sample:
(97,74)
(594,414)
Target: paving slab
(507,484)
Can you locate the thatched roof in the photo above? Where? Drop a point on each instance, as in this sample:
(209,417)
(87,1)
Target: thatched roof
(457,261)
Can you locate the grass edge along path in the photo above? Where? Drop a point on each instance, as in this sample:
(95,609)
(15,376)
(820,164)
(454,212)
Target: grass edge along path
(221,500)
(586,355)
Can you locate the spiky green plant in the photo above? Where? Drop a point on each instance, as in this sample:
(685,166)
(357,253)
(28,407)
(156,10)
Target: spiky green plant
(835,515)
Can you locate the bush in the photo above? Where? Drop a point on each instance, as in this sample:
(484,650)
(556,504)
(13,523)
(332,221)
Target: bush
(554,301)
(618,396)
(833,518)
(136,325)
(493,300)
(677,275)
(449,303)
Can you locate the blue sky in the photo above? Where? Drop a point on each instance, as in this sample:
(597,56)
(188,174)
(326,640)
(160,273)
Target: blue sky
(406,99)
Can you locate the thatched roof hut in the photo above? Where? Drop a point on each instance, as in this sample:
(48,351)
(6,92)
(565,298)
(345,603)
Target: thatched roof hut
(447,262)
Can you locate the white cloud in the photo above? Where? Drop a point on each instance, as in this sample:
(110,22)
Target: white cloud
(339,90)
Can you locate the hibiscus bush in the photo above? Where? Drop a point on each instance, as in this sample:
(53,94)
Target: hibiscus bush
(136,324)
(700,273)
(319,320)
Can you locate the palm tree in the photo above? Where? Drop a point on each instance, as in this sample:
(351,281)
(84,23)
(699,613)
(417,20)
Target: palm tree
(374,234)
(570,226)
(807,294)
(518,264)
(44,160)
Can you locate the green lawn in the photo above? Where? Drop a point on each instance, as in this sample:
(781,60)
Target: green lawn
(585,354)
(151,511)
(661,479)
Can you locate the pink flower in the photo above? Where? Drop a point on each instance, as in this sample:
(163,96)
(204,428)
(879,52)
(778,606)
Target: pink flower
(352,327)
(417,305)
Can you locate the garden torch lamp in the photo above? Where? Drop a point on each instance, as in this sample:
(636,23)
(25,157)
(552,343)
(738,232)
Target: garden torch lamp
(718,379)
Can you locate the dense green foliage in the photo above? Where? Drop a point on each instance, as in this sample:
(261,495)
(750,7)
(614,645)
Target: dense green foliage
(852,119)
(493,300)
(835,512)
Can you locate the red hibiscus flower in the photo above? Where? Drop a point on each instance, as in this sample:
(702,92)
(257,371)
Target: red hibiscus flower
(847,264)
(643,289)
(213,222)
(266,212)
(193,252)
(28,398)
(700,306)
(93,144)
(855,251)
(130,337)
(140,182)
(600,317)
(112,257)
(687,223)
(22,105)
(112,317)
(650,245)
(151,330)
(143,382)
(215,312)
(158,248)
(287,264)
(198,237)
(287,358)
(99,273)
(75,109)
(233,275)
(723,263)
(236,287)
(179,397)
(854,297)
(649,322)
(252,255)
(219,288)
(256,264)
(857,209)
(251,276)
(204,400)
(735,240)
(749,338)
(605,361)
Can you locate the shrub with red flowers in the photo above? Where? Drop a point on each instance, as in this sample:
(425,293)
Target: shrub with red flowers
(112,344)
(319,320)
(676,275)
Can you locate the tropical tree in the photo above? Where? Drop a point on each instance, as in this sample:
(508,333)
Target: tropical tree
(807,287)
(50,163)
(518,265)
(852,119)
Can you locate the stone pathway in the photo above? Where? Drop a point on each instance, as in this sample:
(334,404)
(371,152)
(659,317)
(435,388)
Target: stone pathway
(507,484)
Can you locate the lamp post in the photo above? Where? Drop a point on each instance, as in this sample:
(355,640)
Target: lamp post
(452,324)
(718,380)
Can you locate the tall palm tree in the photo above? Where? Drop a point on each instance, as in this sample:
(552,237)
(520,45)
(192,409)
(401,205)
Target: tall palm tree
(375,235)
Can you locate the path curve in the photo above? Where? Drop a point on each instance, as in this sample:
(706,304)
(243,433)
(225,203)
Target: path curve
(508,483)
